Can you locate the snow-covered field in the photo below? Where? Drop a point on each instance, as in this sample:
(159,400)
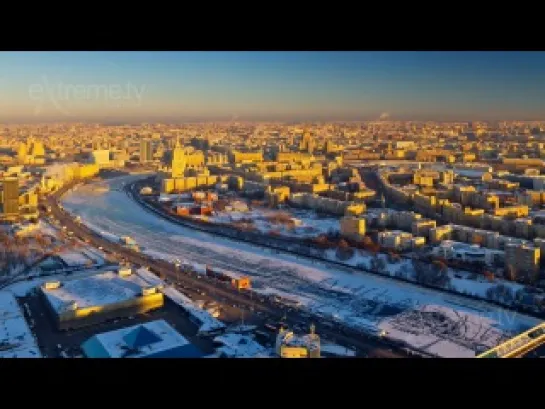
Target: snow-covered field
(359,299)
(337,350)
(16,339)
(439,330)
(309,224)
(462,281)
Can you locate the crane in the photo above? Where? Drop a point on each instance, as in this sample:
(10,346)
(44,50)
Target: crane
(519,345)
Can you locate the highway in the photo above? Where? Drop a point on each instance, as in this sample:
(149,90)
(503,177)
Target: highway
(197,286)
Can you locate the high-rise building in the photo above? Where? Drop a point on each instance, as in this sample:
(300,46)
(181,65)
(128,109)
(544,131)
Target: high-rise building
(353,227)
(146,154)
(10,196)
(36,153)
(447,177)
(307,143)
(178,160)
(101,157)
(329,146)
(522,261)
(37,149)
(22,153)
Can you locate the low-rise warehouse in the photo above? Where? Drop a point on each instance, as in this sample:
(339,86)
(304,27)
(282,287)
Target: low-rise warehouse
(154,339)
(98,298)
(452,250)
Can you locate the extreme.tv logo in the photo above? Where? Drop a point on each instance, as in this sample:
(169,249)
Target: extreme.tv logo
(63,96)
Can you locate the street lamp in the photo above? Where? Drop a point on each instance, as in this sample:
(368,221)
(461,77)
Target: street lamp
(177,269)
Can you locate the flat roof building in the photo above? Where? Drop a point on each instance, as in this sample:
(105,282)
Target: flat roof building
(98,298)
(154,339)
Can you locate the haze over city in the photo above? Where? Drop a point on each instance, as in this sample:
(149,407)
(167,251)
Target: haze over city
(135,87)
(272,205)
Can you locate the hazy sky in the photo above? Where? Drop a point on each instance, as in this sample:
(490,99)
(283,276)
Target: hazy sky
(181,86)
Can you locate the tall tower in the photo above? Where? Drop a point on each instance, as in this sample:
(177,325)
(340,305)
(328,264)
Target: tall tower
(146,154)
(22,153)
(314,343)
(38,149)
(329,147)
(37,152)
(178,160)
(307,143)
(10,205)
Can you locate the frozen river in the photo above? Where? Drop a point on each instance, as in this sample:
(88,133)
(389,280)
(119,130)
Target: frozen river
(358,299)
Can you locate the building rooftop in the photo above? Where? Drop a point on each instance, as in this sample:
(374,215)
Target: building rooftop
(96,290)
(467,248)
(240,346)
(469,173)
(152,339)
(395,233)
(307,340)
(16,339)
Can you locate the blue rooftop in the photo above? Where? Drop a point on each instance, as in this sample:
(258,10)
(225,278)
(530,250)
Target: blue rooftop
(140,337)
(154,339)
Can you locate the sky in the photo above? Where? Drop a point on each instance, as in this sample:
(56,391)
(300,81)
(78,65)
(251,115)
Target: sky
(135,87)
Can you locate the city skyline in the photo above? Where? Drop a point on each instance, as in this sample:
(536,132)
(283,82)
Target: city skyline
(136,87)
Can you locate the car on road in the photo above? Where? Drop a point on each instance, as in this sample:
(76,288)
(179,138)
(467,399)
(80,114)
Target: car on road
(271,327)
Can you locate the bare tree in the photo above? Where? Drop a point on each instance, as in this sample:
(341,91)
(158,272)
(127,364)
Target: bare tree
(435,274)
(344,251)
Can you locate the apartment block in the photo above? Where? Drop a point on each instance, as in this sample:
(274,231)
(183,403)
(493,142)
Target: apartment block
(523,228)
(425,177)
(422,227)
(241,157)
(514,211)
(353,227)
(395,240)
(277,195)
(530,198)
(440,233)
(539,242)
(522,261)
(327,205)
(404,219)
(447,177)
